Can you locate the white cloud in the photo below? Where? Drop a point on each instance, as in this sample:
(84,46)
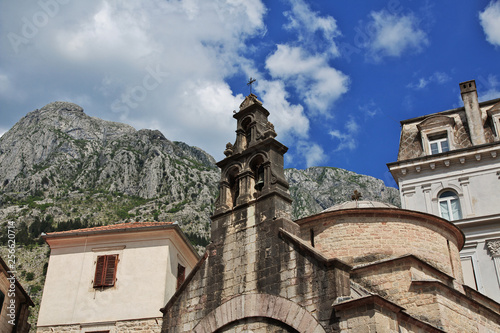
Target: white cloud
(289,120)
(347,138)
(311,152)
(490,21)
(315,81)
(308,23)
(392,35)
(436,77)
(488,88)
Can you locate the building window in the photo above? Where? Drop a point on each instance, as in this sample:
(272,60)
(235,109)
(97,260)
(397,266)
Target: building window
(449,206)
(105,271)
(181,275)
(468,272)
(438,144)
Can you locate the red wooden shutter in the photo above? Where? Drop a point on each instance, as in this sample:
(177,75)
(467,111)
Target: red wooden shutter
(109,278)
(181,271)
(105,271)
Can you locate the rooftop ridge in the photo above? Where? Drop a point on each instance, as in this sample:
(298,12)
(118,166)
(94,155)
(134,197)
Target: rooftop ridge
(110,227)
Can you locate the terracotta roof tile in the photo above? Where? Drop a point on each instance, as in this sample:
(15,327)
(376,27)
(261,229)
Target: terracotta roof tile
(119,226)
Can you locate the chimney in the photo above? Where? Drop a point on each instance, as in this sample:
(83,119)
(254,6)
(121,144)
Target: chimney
(472,111)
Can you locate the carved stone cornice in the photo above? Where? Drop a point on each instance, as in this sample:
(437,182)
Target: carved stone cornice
(494,247)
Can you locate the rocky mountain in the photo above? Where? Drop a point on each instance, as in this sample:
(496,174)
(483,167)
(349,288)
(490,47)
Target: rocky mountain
(61,169)
(318,188)
(59,163)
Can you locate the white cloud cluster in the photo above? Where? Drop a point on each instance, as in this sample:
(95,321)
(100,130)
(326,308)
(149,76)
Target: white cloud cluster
(289,118)
(394,34)
(306,23)
(167,64)
(490,21)
(301,68)
(436,77)
(314,80)
(155,64)
(313,154)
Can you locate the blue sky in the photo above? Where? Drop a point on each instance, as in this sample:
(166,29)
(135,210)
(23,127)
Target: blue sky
(337,77)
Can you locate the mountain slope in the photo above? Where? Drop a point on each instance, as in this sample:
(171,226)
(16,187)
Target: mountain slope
(60,162)
(318,188)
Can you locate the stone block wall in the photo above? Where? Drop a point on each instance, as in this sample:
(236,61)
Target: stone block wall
(249,259)
(363,236)
(152,325)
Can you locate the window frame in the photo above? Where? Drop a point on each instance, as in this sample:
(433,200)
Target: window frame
(105,275)
(435,126)
(448,200)
(438,139)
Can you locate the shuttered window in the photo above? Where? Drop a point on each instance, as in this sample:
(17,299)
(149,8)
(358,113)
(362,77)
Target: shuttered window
(181,275)
(105,271)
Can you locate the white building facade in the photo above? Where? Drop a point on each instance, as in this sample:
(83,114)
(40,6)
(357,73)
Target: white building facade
(113,278)
(449,165)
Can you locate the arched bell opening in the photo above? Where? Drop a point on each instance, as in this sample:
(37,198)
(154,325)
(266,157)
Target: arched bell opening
(234,187)
(247,132)
(258,173)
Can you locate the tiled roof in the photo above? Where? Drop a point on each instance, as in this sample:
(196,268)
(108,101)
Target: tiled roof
(111,227)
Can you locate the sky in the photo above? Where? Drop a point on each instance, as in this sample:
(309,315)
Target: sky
(336,76)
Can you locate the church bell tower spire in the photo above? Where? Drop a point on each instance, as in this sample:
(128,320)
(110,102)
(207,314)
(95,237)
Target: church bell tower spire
(252,172)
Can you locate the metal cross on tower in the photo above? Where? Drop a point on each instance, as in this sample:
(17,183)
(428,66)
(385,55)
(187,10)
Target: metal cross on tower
(250,82)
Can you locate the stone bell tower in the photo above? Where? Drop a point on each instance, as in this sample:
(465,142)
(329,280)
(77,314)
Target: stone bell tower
(252,175)
(253,276)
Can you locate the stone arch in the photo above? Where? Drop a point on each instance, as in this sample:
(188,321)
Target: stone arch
(230,169)
(257,166)
(259,305)
(447,187)
(246,127)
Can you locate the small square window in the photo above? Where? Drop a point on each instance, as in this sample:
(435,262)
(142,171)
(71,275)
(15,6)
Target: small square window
(438,143)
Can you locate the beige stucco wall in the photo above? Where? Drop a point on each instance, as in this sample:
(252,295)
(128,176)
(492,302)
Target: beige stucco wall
(145,277)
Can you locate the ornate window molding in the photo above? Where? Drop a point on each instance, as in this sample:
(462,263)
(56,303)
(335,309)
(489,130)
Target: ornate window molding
(494,114)
(437,134)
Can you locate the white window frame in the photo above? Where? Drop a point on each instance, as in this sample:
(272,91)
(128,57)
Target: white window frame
(439,142)
(448,204)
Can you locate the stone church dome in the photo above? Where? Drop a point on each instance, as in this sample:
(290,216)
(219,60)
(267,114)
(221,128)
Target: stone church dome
(358,204)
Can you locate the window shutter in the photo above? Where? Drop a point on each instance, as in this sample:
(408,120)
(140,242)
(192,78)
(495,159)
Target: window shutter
(99,270)
(109,278)
(181,271)
(105,271)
